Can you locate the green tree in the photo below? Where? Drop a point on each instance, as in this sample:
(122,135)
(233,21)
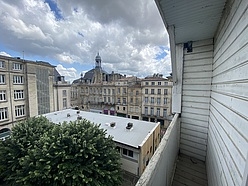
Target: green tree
(77,153)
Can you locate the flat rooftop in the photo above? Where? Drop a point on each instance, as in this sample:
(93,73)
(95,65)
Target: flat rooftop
(134,137)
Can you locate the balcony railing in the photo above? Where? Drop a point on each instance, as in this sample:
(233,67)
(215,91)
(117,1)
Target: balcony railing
(162,165)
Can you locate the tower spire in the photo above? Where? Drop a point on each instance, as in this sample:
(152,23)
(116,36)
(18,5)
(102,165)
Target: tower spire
(98,61)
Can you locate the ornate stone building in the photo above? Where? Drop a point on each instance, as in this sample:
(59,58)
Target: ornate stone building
(114,94)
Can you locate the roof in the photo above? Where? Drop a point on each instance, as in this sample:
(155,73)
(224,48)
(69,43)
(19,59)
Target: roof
(154,79)
(56,74)
(18,59)
(89,75)
(192,19)
(134,137)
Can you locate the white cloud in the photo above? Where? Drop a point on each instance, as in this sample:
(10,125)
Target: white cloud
(69,73)
(127,33)
(5,54)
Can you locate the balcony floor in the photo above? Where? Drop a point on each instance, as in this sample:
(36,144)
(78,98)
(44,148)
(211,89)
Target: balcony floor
(190,172)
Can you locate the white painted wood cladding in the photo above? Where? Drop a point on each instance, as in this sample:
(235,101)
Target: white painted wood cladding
(227,147)
(197,73)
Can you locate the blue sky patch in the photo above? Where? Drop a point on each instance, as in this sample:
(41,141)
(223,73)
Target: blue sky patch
(53,6)
(163,54)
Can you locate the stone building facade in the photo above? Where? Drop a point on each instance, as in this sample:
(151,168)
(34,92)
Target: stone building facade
(26,90)
(115,94)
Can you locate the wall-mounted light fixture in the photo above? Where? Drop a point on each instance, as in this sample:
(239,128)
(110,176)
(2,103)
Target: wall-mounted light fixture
(188,45)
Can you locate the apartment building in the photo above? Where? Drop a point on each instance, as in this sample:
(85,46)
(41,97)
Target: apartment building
(62,92)
(27,89)
(136,140)
(135,100)
(156,99)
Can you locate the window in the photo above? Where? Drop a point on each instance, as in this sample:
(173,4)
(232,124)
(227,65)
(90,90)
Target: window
(108,91)
(64,103)
(165,83)
(127,152)
(146,91)
(105,99)
(147,83)
(130,153)
(104,91)
(159,83)
(124,108)
(152,100)
(131,109)
(124,90)
(109,99)
(131,100)
(113,91)
(137,92)
(64,93)
(2,95)
(18,94)
(146,99)
(152,111)
(119,100)
(18,79)
(17,66)
(136,100)
(146,110)
(2,79)
(124,101)
(165,91)
(158,101)
(19,110)
(159,91)
(119,90)
(158,111)
(153,83)
(3,113)
(164,112)
(165,101)
(152,91)
(124,151)
(2,64)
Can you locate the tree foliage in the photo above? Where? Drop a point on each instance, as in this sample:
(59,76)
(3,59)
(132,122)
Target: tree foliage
(43,153)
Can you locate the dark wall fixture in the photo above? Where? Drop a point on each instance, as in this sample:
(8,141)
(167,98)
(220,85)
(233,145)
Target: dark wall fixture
(188,45)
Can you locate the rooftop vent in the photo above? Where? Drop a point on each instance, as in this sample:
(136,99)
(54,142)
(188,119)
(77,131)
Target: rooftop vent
(129,126)
(112,124)
(79,117)
(78,111)
(68,115)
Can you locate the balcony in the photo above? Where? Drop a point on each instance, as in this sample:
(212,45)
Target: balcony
(169,167)
(209,68)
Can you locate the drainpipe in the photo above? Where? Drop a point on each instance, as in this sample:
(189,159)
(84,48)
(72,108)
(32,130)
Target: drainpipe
(10,96)
(27,92)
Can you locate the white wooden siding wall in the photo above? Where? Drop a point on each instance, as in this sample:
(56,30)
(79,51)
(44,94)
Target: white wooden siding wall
(228,123)
(197,73)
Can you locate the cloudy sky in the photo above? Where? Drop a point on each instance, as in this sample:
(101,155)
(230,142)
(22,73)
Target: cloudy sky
(128,34)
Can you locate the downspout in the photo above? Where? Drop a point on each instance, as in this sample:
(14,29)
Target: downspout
(10,96)
(171,32)
(27,92)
